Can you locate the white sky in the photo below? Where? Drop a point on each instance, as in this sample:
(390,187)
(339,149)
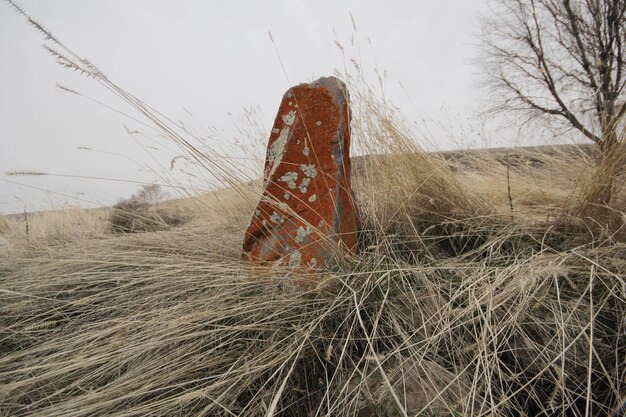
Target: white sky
(211,58)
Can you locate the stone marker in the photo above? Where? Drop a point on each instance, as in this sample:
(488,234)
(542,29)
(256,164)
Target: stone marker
(307,210)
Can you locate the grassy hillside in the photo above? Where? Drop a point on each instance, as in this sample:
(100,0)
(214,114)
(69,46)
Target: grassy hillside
(488,283)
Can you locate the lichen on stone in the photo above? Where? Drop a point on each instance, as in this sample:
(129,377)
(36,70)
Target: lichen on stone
(289,118)
(295,259)
(304,184)
(299,152)
(290,178)
(302,233)
(277,149)
(309,170)
(277,218)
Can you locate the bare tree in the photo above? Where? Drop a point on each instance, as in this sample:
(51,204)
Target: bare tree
(560,60)
(151,194)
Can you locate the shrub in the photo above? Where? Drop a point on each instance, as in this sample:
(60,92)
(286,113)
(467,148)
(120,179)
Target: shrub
(135,215)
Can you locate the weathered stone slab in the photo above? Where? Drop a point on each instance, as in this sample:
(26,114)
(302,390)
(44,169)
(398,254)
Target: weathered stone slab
(307,210)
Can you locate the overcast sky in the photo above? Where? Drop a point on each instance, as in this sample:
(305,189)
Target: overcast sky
(203,62)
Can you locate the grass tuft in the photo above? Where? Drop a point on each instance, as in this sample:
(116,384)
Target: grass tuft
(133,215)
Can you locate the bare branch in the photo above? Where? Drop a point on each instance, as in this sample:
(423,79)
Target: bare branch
(563,59)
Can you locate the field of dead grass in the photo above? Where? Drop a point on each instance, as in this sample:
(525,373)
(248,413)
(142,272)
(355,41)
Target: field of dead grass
(456,305)
(487,284)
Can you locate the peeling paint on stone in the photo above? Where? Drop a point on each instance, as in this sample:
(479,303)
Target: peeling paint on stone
(305,151)
(312,198)
(276,130)
(312,263)
(290,178)
(286,196)
(318,123)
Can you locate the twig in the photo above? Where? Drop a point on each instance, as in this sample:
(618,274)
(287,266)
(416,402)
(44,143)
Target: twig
(26,220)
(508,182)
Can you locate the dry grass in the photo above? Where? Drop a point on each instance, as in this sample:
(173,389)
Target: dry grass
(601,189)
(452,307)
(466,298)
(171,323)
(50,228)
(133,215)
(4,225)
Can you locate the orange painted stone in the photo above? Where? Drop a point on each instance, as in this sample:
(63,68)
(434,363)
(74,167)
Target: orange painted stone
(306,211)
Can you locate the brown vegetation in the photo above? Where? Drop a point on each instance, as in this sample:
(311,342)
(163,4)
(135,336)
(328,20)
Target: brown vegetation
(482,288)
(141,213)
(451,307)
